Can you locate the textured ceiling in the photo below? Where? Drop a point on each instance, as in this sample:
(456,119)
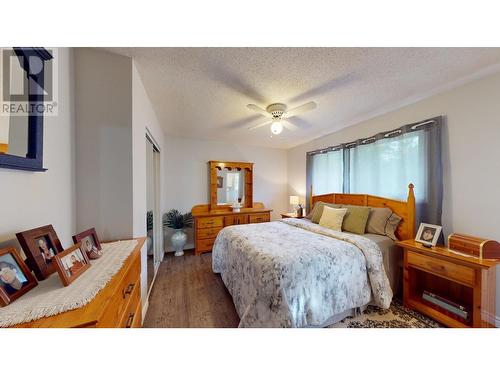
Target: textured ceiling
(203,92)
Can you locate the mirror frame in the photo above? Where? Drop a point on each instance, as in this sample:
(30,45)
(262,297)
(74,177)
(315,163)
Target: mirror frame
(219,165)
(34,158)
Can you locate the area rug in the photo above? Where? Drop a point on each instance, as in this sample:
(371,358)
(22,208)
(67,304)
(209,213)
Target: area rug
(396,316)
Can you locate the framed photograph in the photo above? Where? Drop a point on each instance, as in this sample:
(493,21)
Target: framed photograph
(40,246)
(90,243)
(15,277)
(428,234)
(71,263)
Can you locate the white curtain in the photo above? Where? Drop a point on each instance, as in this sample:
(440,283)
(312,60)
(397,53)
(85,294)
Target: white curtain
(385,167)
(327,172)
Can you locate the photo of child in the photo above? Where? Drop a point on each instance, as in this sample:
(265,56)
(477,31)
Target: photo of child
(90,247)
(73,262)
(46,248)
(428,234)
(12,278)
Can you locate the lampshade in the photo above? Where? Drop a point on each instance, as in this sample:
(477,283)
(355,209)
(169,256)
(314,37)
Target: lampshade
(294,199)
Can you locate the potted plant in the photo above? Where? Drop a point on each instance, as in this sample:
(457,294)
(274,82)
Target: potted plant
(177,221)
(149,229)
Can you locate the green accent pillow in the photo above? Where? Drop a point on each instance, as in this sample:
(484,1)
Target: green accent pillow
(317,210)
(355,219)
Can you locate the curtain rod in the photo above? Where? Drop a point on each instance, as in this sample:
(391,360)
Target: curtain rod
(387,134)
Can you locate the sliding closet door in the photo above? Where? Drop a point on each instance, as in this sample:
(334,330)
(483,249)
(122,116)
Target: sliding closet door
(153,219)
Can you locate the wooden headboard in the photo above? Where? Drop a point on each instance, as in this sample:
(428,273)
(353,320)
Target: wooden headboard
(404,209)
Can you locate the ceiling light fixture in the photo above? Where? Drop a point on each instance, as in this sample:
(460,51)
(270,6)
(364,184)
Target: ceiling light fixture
(276,127)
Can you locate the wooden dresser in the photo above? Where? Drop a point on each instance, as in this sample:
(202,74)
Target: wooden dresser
(208,223)
(118,305)
(464,280)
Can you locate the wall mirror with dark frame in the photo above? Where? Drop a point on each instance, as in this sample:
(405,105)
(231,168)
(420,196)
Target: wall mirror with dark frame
(25,88)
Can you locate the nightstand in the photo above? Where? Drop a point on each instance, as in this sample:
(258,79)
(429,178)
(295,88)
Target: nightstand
(466,282)
(291,215)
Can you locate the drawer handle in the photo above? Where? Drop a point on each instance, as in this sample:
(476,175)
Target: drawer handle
(129,290)
(436,268)
(130,319)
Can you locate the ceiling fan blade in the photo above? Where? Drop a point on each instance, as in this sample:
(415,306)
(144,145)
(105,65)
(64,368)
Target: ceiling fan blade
(287,124)
(259,126)
(303,108)
(256,108)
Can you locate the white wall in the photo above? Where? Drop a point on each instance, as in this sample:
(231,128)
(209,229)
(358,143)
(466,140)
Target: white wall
(113,113)
(31,199)
(471,154)
(103,98)
(143,117)
(187,173)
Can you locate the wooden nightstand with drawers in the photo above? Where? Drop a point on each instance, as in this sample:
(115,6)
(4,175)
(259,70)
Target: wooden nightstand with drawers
(467,283)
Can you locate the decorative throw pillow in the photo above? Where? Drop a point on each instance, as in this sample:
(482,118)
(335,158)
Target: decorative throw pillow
(391,226)
(355,219)
(383,221)
(311,213)
(318,210)
(332,218)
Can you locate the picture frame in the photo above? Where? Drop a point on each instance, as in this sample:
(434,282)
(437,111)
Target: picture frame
(71,264)
(428,234)
(16,278)
(220,182)
(90,243)
(40,245)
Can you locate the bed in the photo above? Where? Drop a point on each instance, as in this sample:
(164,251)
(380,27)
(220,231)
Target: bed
(294,273)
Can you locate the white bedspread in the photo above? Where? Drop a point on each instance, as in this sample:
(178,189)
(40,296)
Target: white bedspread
(293,273)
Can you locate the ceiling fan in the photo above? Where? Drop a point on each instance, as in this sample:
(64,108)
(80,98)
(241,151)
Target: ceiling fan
(278,115)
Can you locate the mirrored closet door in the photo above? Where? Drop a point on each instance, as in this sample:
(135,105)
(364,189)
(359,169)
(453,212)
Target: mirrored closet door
(153,216)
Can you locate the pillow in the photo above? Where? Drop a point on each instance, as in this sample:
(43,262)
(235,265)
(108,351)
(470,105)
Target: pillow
(383,221)
(391,226)
(332,218)
(311,213)
(355,219)
(317,210)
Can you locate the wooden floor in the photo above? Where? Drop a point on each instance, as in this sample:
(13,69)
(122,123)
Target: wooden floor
(187,294)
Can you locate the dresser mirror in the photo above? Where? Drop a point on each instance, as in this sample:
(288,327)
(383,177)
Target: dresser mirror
(230,186)
(230,183)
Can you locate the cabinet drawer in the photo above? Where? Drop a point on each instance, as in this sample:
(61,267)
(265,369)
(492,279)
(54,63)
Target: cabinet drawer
(456,272)
(118,303)
(130,315)
(258,218)
(204,245)
(235,220)
(209,222)
(207,233)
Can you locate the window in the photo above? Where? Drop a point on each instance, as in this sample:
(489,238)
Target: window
(327,171)
(384,165)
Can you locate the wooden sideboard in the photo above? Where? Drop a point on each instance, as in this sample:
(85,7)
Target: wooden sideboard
(208,223)
(465,280)
(118,305)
